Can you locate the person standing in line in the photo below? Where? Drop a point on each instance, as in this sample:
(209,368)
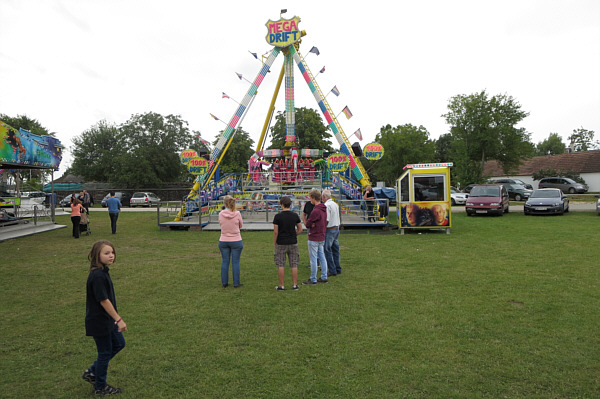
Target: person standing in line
(102,320)
(286,227)
(114,207)
(308,207)
(86,200)
(332,245)
(317,226)
(76,209)
(230,242)
(369,197)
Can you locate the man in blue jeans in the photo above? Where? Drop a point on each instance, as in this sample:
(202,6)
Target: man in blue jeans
(332,246)
(114,207)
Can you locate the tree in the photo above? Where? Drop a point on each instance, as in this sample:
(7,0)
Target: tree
(553,145)
(142,152)
(486,129)
(310,130)
(582,140)
(96,153)
(239,152)
(403,144)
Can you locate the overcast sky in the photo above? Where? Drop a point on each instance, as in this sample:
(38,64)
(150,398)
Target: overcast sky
(70,64)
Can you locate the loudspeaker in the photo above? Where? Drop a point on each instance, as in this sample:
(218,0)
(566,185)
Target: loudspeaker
(357,150)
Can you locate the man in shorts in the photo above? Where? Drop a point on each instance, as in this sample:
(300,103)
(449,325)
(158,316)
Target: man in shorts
(286,227)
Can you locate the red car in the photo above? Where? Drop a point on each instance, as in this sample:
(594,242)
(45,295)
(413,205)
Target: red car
(487,199)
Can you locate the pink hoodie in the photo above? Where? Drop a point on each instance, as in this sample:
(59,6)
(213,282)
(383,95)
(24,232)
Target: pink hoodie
(231,223)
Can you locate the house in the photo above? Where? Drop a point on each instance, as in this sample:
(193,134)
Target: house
(585,163)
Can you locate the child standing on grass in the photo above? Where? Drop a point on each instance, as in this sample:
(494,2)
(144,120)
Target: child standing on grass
(317,227)
(102,321)
(286,226)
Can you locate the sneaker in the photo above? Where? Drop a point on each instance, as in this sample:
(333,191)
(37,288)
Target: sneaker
(320,280)
(107,390)
(295,287)
(280,288)
(88,377)
(309,282)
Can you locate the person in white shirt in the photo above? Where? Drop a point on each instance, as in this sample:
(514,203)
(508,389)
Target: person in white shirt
(332,245)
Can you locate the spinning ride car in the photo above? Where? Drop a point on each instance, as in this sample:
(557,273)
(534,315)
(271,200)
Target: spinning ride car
(423,196)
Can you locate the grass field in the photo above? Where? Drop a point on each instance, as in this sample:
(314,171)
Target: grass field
(504,307)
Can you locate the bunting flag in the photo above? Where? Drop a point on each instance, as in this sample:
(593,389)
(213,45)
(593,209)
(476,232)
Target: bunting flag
(358,134)
(225,95)
(335,91)
(322,70)
(239,75)
(214,117)
(253,54)
(201,139)
(314,50)
(347,112)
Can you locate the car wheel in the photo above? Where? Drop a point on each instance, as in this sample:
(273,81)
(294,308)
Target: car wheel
(571,190)
(506,210)
(518,197)
(452,201)
(567,210)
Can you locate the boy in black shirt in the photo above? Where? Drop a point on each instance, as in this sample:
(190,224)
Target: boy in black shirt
(286,226)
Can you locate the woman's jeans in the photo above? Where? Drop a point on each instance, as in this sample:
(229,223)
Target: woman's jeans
(108,346)
(230,250)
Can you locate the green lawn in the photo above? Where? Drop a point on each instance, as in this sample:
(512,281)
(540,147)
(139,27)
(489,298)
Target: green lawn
(503,307)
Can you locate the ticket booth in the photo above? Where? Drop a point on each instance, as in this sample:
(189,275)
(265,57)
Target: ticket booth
(423,197)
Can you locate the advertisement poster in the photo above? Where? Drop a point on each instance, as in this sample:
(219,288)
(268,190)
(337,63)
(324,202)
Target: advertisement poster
(425,214)
(338,162)
(23,148)
(197,166)
(373,151)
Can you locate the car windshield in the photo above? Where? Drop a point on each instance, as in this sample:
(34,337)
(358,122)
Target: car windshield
(485,191)
(570,181)
(545,194)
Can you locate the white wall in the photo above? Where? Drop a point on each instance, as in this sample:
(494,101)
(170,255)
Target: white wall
(592,180)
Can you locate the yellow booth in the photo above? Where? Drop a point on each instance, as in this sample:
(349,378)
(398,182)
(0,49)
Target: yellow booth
(423,197)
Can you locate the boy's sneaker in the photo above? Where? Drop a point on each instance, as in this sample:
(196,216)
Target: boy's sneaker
(320,280)
(280,288)
(107,390)
(309,282)
(295,287)
(88,377)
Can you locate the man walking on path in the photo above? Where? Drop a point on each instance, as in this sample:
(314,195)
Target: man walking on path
(332,246)
(114,207)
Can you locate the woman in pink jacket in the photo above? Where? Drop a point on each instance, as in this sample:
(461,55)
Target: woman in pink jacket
(230,243)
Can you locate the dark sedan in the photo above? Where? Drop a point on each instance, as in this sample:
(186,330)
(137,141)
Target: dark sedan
(546,201)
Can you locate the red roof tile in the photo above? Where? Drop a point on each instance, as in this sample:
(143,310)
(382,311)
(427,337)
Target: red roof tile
(578,162)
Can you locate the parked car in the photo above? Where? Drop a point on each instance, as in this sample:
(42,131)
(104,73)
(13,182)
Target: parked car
(457,197)
(144,199)
(517,192)
(565,184)
(468,188)
(512,181)
(546,201)
(488,199)
(65,201)
(123,197)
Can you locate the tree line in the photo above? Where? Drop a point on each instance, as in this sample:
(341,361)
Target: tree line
(144,151)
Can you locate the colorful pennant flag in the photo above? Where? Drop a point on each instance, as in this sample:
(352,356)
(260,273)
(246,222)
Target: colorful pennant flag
(239,75)
(358,134)
(225,95)
(314,50)
(201,139)
(322,70)
(214,117)
(254,54)
(347,112)
(335,91)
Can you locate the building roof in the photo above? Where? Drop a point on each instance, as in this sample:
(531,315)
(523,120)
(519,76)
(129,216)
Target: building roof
(578,162)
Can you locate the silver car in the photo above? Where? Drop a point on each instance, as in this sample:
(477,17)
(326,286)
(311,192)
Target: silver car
(144,199)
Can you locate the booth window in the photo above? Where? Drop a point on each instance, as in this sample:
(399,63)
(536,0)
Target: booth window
(429,188)
(404,189)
